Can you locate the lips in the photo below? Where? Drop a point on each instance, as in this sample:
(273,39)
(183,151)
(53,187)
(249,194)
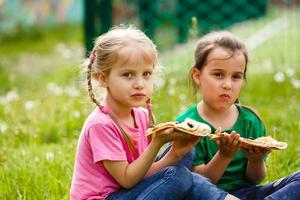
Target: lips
(225,96)
(138,95)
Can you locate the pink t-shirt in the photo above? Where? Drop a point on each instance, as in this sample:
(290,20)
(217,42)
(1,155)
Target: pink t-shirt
(100,140)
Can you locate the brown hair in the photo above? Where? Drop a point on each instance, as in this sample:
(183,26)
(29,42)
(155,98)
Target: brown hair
(211,41)
(221,39)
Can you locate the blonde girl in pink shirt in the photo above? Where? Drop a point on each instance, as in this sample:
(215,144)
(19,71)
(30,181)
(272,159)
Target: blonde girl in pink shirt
(114,158)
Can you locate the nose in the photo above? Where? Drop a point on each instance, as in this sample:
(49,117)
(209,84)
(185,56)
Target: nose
(138,83)
(226,84)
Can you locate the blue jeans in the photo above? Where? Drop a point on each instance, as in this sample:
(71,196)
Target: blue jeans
(169,183)
(282,189)
(175,182)
(202,188)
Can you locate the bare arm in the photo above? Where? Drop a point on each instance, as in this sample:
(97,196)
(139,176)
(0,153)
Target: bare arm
(177,151)
(128,175)
(214,169)
(256,168)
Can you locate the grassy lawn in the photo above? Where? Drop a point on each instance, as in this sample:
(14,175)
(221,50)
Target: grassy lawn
(43,102)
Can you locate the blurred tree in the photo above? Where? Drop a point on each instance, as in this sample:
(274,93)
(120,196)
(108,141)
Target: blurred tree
(97,20)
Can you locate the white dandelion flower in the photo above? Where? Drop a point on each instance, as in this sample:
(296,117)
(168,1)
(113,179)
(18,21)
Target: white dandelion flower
(62,49)
(10,96)
(3,127)
(23,152)
(50,156)
(171,91)
(76,114)
(274,129)
(29,105)
(172,81)
(182,97)
(295,83)
(290,72)
(268,64)
(159,82)
(72,91)
(80,52)
(54,89)
(279,77)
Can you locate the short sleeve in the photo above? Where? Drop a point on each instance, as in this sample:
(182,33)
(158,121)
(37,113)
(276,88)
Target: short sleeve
(257,129)
(105,143)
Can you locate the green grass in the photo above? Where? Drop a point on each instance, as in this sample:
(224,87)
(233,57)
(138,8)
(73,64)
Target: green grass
(41,124)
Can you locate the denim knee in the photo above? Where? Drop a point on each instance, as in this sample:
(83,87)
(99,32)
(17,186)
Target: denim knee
(203,188)
(180,176)
(296,175)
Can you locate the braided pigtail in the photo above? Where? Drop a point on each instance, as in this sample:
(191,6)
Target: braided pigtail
(89,81)
(150,114)
(93,98)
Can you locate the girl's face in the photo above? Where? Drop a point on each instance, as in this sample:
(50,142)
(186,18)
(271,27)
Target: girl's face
(128,85)
(221,78)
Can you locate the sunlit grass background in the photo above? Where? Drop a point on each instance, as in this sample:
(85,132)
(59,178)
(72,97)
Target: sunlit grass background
(43,101)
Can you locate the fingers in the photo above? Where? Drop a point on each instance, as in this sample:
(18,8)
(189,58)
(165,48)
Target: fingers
(256,150)
(168,130)
(231,140)
(252,150)
(263,151)
(218,131)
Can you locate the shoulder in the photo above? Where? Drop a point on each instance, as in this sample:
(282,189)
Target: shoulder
(190,112)
(249,114)
(97,119)
(251,121)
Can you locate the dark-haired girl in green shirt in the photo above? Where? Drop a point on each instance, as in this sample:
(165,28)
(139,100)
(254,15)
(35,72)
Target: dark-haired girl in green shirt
(219,73)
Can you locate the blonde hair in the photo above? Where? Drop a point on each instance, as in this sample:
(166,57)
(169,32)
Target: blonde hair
(211,41)
(119,46)
(107,51)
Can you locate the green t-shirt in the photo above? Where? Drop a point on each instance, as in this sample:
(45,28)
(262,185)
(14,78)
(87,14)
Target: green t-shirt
(247,125)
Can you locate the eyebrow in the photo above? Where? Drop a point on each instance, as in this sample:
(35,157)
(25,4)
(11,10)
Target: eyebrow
(217,70)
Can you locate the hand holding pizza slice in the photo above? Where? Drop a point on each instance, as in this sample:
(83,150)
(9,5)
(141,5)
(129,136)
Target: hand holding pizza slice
(262,142)
(188,126)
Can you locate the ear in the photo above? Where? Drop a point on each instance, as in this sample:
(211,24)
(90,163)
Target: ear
(103,80)
(196,75)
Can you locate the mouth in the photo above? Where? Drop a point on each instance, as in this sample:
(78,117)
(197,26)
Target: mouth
(138,96)
(225,96)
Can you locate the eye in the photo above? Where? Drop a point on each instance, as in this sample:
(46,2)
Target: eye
(237,77)
(147,73)
(128,75)
(218,75)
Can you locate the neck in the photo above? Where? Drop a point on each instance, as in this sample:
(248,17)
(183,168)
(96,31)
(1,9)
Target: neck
(121,111)
(210,112)
(218,118)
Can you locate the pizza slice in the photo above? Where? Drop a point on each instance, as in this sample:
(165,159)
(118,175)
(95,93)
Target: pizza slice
(188,126)
(265,142)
